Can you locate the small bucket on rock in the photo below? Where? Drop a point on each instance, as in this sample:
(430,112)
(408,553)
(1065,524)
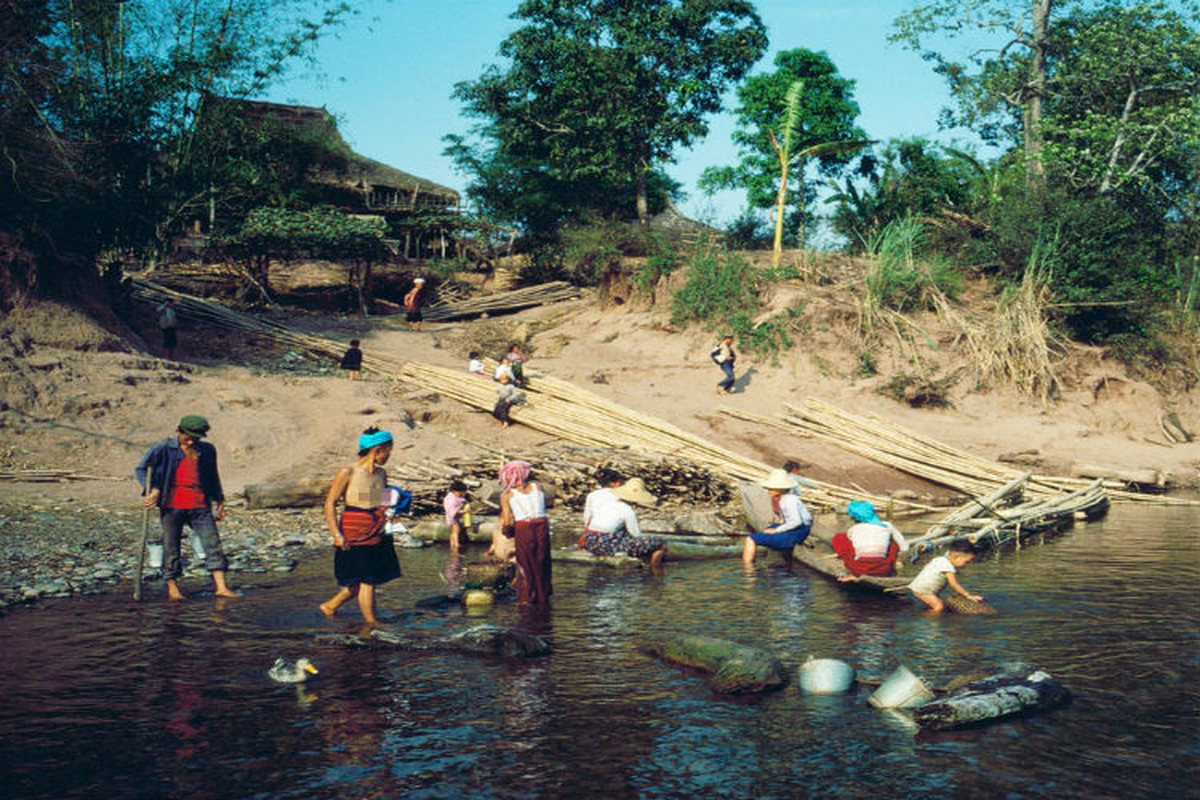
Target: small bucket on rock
(902,689)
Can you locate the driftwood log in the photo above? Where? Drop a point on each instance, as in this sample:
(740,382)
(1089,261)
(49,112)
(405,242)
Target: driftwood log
(734,668)
(1015,689)
(302,493)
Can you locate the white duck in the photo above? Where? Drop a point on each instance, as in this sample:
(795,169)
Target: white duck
(285,671)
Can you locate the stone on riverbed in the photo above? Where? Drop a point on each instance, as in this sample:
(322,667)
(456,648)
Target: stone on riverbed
(735,668)
(485,639)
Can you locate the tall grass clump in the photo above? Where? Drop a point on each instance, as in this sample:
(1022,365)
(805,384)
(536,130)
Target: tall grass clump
(1016,345)
(900,277)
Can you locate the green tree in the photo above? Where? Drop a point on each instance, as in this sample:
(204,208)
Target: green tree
(994,90)
(121,101)
(803,108)
(269,234)
(595,97)
(909,178)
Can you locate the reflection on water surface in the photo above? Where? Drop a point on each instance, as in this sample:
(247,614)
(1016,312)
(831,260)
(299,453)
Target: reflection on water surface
(107,699)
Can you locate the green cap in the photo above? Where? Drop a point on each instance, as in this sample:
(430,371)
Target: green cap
(194,425)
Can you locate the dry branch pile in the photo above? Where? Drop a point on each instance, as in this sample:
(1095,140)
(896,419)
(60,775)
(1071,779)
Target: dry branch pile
(569,469)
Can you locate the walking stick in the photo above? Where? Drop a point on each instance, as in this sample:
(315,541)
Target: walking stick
(137,576)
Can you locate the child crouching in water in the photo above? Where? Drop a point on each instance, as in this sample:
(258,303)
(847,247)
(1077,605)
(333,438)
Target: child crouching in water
(941,571)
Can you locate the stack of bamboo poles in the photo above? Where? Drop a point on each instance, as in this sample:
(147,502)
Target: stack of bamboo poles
(503,302)
(574,414)
(49,476)
(886,443)
(994,520)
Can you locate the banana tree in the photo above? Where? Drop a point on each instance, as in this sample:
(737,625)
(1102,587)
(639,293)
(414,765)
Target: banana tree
(783,150)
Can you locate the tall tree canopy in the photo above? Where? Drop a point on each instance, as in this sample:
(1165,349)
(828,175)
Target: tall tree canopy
(1105,96)
(1101,93)
(595,96)
(825,112)
(112,90)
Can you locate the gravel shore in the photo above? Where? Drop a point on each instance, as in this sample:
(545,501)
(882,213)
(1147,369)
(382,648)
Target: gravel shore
(59,550)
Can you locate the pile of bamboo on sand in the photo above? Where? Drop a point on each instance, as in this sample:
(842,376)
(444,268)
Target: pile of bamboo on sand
(502,302)
(573,414)
(207,311)
(887,443)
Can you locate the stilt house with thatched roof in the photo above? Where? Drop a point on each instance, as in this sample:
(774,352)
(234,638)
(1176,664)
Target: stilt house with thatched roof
(420,213)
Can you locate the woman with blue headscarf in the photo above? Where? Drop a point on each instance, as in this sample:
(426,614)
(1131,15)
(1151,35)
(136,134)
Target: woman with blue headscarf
(362,558)
(871,546)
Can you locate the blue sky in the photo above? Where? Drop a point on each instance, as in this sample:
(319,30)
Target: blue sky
(388,75)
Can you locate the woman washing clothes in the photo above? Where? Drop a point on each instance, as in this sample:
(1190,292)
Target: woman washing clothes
(610,525)
(871,546)
(793,521)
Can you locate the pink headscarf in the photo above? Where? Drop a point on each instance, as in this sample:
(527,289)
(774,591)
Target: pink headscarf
(515,473)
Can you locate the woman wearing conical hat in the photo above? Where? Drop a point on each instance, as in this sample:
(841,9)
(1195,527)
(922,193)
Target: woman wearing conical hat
(610,525)
(793,521)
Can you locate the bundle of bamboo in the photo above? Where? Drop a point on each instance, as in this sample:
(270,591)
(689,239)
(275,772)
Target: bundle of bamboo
(574,414)
(502,302)
(886,443)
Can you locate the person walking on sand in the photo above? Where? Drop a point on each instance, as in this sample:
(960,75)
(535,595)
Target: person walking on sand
(362,557)
(412,304)
(179,476)
(523,510)
(723,356)
(168,321)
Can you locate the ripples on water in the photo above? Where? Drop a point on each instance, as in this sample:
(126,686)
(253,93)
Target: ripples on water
(103,698)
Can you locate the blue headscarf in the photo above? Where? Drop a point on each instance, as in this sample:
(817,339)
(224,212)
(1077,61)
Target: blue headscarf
(368,440)
(862,511)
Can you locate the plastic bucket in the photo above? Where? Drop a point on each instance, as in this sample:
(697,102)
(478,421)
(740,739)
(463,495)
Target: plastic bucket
(154,555)
(826,676)
(197,546)
(902,689)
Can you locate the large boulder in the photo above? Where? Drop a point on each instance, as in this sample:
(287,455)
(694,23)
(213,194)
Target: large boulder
(735,668)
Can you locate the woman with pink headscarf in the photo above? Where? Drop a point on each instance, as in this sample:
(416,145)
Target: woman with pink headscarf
(523,511)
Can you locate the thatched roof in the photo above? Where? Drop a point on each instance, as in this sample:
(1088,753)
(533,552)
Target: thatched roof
(361,174)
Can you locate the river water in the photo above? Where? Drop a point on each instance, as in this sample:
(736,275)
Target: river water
(106,699)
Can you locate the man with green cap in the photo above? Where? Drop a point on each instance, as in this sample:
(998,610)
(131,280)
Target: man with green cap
(179,477)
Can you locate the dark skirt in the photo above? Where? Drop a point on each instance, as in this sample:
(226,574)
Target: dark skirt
(533,561)
(622,541)
(371,563)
